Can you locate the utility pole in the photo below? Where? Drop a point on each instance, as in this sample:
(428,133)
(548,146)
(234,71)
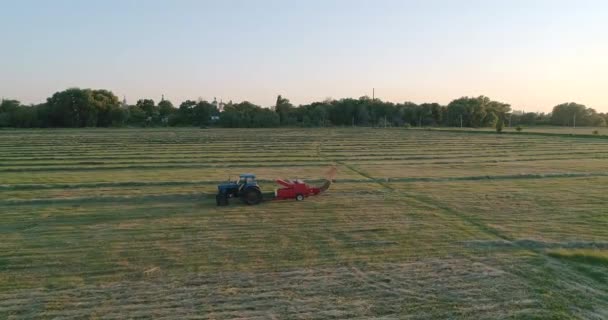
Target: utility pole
(373,94)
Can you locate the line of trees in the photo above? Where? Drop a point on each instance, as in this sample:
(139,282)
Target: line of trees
(101,108)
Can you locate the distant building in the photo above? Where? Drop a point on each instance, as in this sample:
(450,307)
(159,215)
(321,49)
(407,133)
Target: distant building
(221,106)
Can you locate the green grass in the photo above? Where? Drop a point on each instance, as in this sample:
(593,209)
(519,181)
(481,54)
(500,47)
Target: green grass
(592,256)
(547,129)
(120,223)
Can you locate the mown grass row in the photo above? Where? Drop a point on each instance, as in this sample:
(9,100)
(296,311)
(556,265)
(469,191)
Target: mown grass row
(188,159)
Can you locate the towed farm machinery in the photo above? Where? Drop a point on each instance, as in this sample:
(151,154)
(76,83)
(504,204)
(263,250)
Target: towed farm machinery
(248,190)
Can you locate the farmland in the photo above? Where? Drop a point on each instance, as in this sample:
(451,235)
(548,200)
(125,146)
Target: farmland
(578,131)
(119,223)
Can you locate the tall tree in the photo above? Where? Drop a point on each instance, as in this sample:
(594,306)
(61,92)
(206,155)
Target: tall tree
(283,108)
(166,108)
(202,113)
(7,111)
(475,112)
(108,108)
(571,114)
(150,109)
(136,116)
(8,105)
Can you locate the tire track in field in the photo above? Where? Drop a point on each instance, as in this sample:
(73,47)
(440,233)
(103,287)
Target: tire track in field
(344,164)
(384,184)
(355,271)
(539,284)
(433,203)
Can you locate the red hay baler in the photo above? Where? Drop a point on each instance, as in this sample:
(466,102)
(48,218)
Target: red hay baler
(298,189)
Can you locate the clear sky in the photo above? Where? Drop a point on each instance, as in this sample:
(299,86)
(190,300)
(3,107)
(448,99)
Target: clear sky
(533,54)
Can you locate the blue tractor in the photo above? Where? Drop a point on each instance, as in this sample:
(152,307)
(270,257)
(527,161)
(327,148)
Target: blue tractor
(246,188)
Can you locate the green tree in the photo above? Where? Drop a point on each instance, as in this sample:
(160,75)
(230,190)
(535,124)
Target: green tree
(491,119)
(458,112)
(499,125)
(7,111)
(43,115)
(265,118)
(166,108)
(76,107)
(570,114)
(184,113)
(598,121)
(423,115)
(202,112)
(343,111)
(119,116)
(108,108)
(5,120)
(362,115)
(73,107)
(319,115)
(136,116)
(150,109)
(283,108)
(436,113)
(24,117)
(474,111)
(8,105)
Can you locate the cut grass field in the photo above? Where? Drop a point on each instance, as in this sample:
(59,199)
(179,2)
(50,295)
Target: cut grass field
(554,130)
(118,223)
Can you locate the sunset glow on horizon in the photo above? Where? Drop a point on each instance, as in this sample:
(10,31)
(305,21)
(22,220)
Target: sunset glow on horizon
(530,54)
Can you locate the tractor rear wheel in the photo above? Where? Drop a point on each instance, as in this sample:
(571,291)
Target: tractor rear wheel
(252,196)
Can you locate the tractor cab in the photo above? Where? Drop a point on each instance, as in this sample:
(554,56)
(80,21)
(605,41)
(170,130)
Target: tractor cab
(247,179)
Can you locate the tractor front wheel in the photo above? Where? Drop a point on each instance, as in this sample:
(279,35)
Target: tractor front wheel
(299,197)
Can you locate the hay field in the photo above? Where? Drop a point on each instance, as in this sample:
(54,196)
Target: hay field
(118,223)
(578,131)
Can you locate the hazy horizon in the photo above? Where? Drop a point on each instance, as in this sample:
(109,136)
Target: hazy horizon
(531,54)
